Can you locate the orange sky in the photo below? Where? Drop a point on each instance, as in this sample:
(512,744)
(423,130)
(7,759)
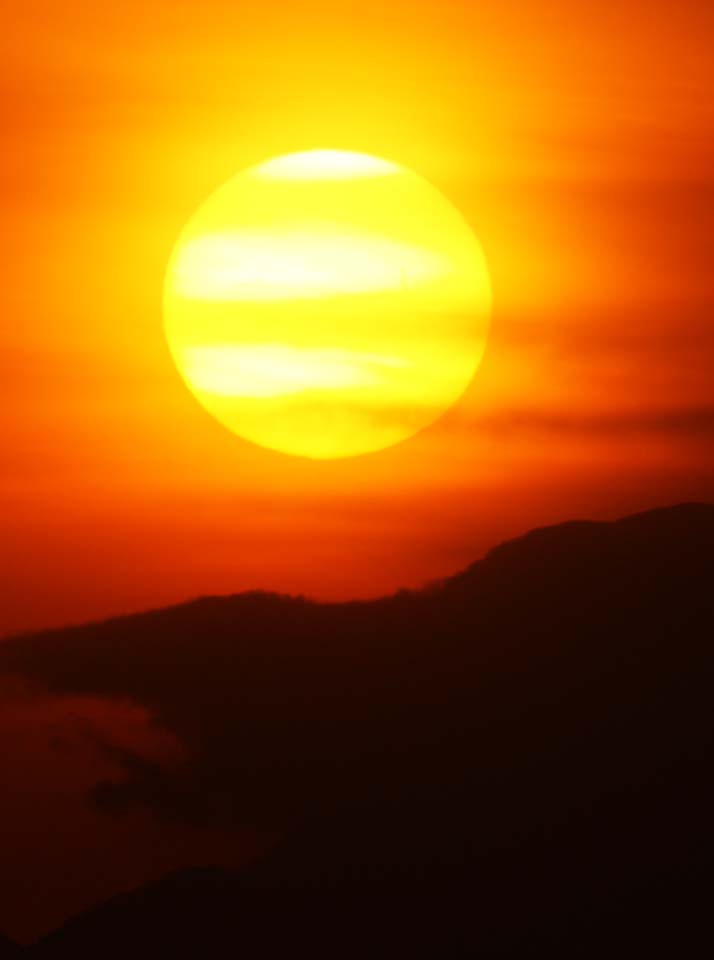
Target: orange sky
(578,141)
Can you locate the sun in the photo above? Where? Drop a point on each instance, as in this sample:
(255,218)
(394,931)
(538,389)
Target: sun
(327,304)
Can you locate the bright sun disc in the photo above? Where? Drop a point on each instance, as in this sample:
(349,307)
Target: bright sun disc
(327,304)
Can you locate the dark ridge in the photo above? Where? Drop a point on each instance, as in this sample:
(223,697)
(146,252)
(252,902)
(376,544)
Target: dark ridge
(515,762)
(555,537)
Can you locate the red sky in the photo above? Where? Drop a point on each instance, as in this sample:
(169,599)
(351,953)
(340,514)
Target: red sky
(577,139)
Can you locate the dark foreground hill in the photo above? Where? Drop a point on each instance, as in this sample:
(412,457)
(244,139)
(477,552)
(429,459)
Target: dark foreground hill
(514,763)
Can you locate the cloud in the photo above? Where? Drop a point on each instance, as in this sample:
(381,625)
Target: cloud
(689,423)
(58,852)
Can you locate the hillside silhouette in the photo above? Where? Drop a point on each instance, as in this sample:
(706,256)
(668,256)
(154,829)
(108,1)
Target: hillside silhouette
(515,761)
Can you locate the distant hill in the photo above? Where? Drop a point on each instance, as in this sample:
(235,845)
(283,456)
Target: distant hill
(515,762)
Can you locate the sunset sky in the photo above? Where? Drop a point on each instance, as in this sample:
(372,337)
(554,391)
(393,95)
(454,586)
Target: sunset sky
(576,139)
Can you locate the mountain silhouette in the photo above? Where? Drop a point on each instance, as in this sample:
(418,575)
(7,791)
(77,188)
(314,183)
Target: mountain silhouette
(516,761)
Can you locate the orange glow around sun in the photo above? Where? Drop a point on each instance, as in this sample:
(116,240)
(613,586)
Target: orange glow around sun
(309,307)
(327,304)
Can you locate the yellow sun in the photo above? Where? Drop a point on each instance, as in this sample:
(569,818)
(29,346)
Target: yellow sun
(327,304)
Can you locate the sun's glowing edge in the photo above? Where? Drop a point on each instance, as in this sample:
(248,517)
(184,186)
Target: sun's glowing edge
(324,165)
